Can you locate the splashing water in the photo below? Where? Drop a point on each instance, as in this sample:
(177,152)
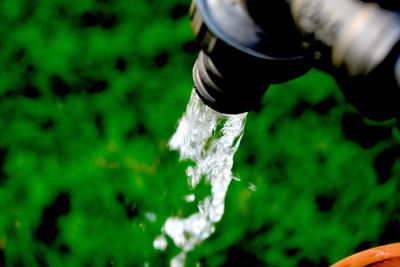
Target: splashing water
(210,139)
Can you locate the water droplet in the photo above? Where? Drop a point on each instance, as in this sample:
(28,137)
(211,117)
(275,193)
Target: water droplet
(236,178)
(151,216)
(190,198)
(160,243)
(252,187)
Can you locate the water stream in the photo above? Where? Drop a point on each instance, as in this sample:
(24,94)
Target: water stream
(210,139)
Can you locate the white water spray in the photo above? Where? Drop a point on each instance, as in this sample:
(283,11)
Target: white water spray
(210,139)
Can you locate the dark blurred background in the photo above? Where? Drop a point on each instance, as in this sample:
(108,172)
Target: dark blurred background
(90,93)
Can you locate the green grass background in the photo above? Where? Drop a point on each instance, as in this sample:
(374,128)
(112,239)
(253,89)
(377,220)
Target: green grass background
(91,91)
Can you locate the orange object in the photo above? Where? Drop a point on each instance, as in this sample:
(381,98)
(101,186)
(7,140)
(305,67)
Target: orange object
(383,256)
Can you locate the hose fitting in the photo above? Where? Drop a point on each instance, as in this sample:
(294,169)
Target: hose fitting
(240,58)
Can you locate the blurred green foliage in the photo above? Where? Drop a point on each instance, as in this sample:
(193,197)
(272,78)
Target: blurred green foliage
(91,91)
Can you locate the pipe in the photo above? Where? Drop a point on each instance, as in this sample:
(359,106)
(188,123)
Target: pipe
(363,50)
(249,44)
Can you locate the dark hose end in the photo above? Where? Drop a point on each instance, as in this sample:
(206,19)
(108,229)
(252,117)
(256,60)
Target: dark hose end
(230,95)
(241,58)
(376,95)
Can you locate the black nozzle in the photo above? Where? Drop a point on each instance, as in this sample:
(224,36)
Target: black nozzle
(232,92)
(240,55)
